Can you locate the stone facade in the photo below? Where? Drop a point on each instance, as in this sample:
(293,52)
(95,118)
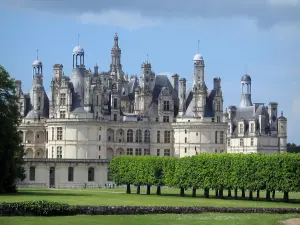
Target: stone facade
(71,133)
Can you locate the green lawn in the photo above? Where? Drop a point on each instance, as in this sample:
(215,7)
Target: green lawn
(116,197)
(187,219)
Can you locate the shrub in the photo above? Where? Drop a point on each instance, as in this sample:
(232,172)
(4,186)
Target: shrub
(45,208)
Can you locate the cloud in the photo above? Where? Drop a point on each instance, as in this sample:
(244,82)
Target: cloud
(134,14)
(127,20)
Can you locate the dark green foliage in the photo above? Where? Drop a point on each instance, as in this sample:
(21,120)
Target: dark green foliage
(219,172)
(11,149)
(45,208)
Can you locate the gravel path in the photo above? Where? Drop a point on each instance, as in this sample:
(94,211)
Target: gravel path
(294,221)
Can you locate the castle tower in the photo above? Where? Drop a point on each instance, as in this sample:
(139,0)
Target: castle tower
(182,97)
(282,133)
(246,91)
(115,103)
(116,66)
(37,92)
(145,84)
(175,79)
(199,86)
(78,57)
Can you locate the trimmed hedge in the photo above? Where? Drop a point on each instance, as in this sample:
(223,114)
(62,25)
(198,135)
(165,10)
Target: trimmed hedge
(45,208)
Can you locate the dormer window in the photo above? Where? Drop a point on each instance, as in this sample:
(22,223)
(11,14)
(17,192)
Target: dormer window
(166,105)
(252,128)
(241,128)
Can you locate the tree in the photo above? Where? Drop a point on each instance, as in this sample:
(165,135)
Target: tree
(11,149)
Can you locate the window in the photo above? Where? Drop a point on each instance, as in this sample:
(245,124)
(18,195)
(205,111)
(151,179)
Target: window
(166,119)
(99,138)
(156,119)
(222,137)
(138,136)
(218,106)
(216,150)
(32,173)
(129,135)
(62,99)
(115,117)
(147,136)
(138,151)
(52,133)
(242,142)
(97,99)
(166,105)
(146,151)
(59,152)
(158,136)
(99,156)
(185,150)
(167,137)
(167,152)
(252,142)
(59,133)
(62,114)
(52,152)
(228,130)
(216,137)
(185,131)
(39,99)
(115,103)
(70,174)
(218,119)
(212,120)
(241,128)
(129,151)
(158,152)
(252,128)
(99,148)
(185,140)
(196,133)
(91,174)
(228,142)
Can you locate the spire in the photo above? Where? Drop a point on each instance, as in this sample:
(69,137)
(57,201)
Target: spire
(147,58)
(78,38)
(116,38)
(198,46)
(281,113)
(37,54)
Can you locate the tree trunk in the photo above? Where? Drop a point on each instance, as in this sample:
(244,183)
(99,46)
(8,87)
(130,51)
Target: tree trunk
(229,193)
(182,192)
(158,190)
(268,195)
(273,194)
(194,192)
(148,189)
(128,190)
(285,196)
(243,193)
(221,193)
(257,194)
(138,189)
(236,193)
(217,193)
(206,192)
(251,195)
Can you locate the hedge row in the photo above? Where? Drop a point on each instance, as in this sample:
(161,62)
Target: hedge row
(45,208)
(252,172)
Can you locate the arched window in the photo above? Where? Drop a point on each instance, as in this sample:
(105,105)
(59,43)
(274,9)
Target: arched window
(138,136)
(218,106)
(129,135)
(147,136)
(241,128)
(216,137)
(91,174)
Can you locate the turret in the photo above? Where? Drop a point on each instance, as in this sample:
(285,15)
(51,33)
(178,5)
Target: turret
(218,100)
(282,133)
(115,103)
(116,66)
(273,112)
(246,91)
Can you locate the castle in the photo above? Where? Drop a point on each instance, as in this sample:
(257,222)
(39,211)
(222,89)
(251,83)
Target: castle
(71,134)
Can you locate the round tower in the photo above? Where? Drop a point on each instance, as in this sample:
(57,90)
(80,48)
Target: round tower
(198,70)
(282,133)
(246,91)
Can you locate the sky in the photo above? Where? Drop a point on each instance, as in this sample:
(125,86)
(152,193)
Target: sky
(258,37)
